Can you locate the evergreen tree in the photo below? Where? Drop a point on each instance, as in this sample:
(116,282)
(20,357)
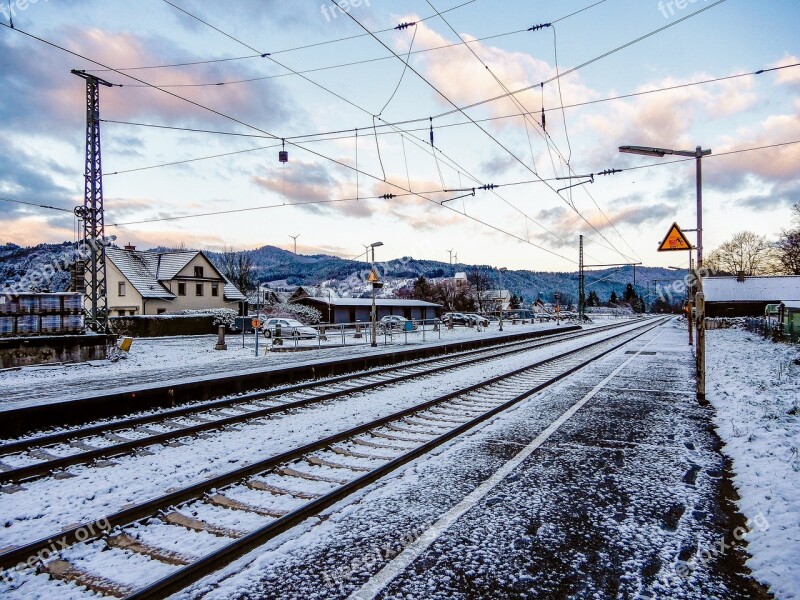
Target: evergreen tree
(593,299)
(613,299)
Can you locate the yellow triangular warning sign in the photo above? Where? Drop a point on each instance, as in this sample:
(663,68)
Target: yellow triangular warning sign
(373,276)
(674,240)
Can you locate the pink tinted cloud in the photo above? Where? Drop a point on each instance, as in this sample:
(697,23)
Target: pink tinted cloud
(790,76)
(448,69)
(49,89)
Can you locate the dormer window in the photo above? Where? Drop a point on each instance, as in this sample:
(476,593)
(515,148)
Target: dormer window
(198,271)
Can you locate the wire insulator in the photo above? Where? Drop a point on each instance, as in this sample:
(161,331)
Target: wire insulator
(610,171)
(431,131)
(540,26)
(406,25)
(388,196)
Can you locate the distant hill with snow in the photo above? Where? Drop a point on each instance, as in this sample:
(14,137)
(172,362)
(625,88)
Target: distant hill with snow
(276,265)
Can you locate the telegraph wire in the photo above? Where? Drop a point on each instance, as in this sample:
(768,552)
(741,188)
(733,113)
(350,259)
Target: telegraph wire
(412,138)
(457,109)
(335,161)
(582,65)
(388,124)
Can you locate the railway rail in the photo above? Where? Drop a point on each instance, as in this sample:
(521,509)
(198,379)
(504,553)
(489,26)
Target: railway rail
(35,457)
(132,553)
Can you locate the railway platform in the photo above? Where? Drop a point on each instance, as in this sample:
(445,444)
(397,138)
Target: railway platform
(46,405)
(609,484)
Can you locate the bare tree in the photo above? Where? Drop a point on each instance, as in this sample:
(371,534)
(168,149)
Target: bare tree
(238,268)
(745,251)
(481,284)
(788,246)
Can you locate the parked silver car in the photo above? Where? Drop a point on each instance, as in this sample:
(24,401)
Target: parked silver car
(289,328)
(396,323)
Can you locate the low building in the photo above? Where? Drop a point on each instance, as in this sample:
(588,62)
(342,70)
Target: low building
(495,300)
(352,310)
(742,296)
(155,283)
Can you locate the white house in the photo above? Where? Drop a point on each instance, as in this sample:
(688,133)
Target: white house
(155,283)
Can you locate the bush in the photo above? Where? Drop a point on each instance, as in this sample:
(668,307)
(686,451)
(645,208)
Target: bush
(222,316)
(305,314)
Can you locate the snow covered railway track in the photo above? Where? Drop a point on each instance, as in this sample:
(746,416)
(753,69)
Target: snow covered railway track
(160,546)
(31,458)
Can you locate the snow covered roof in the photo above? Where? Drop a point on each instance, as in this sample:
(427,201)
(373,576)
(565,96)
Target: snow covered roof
(137,267)
(752,289)
(793,304)
(335,301)
(146,271)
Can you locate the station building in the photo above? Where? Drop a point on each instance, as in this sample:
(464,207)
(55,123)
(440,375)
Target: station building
(746,296)
(351,310)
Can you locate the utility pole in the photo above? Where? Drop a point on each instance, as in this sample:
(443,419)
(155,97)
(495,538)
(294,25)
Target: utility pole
(92,213)
(581,283)
(294,237)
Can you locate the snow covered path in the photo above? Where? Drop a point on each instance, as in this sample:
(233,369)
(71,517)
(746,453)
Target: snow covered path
(755,387)
(624,500)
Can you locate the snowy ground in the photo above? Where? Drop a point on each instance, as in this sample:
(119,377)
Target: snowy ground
(755,387)
(49,504)
(154,360)
(623,500)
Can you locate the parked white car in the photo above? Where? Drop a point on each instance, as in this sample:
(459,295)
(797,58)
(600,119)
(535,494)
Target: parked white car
(289,328)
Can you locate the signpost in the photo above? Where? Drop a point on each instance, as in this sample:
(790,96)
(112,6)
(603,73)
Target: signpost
(675,240)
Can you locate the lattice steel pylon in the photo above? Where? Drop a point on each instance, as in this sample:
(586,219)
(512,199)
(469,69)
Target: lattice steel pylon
(91,213)
(581,283)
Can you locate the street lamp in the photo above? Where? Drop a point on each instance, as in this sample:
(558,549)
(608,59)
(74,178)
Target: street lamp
(502,270)
(700,353)
(375,285)
(698,153)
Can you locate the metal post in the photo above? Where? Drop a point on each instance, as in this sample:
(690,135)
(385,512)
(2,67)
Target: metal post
(258,316)
(700,306)
(582,283)
(699,177)
(689,303)
(373,332)
(92,212)
(500,296)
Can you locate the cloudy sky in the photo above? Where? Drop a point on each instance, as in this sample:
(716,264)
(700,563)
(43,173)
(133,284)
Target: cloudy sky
(357,124)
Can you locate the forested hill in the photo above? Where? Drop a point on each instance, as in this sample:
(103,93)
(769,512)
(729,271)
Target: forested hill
(273,264)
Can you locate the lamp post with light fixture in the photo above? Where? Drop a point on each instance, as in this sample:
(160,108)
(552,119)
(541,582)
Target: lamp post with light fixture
(699,303)
(698,153)
(375,284)
(502,270)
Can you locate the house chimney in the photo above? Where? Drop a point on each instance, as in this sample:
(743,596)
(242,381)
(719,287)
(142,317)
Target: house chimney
(740,276)
(129,247)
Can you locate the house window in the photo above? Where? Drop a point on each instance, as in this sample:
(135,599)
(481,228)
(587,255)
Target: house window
(215,289)
(121,288)
(121,313)
(198,289)
(198,272)
(181,289)
(161,311)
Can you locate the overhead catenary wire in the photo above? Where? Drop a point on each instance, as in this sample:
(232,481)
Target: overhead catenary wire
(433,150)
(458,109)
(272,136)
(386,124)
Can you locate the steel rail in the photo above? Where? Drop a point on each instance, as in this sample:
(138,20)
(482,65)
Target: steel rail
(86,531)
(41,469)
